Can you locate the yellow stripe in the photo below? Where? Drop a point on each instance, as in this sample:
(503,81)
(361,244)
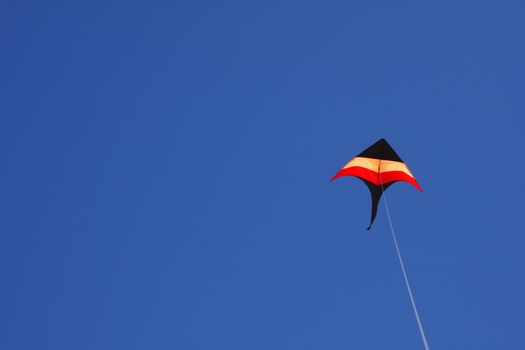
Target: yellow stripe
(374,164)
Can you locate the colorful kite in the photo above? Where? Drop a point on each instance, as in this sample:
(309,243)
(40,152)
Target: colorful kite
(378,166)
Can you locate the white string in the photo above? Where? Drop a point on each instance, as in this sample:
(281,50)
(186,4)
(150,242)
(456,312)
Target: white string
(403,269)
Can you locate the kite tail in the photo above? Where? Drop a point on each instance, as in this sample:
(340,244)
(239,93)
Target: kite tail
(376,192)
(375,203)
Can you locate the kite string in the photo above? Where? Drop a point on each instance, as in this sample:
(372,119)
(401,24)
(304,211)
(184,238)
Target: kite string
(423,337)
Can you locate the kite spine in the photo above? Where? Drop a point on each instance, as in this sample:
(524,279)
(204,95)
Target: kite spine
(423,337)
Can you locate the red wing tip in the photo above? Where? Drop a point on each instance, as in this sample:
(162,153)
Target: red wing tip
(335,177)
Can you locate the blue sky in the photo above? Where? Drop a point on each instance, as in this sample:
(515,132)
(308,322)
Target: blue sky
(166,165)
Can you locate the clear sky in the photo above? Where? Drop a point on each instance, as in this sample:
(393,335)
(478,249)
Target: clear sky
(165,173)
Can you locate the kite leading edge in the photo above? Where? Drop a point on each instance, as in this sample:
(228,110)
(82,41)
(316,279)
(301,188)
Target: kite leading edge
(378,167)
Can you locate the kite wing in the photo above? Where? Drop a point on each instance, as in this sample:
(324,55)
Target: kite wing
(378,166)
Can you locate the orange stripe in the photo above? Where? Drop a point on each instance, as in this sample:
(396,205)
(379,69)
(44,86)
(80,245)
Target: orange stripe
(377,164)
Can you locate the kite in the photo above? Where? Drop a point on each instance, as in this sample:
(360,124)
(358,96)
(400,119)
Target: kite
(378,166)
